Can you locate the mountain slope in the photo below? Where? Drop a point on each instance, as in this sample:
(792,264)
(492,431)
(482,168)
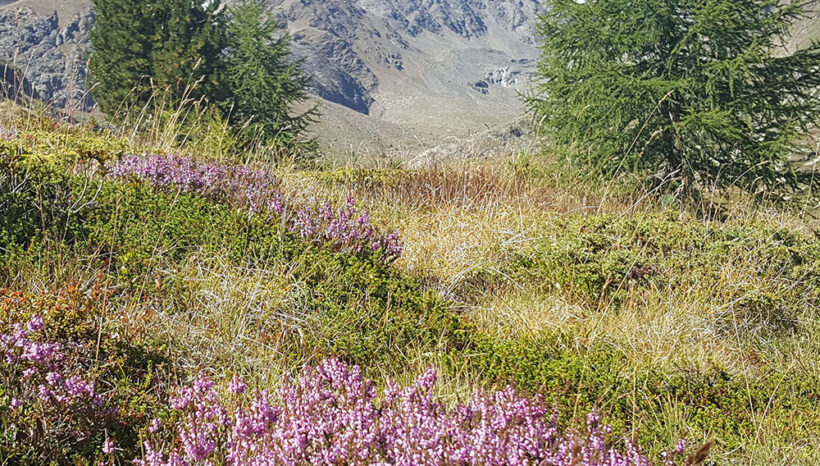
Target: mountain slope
(373,55)
(434,67)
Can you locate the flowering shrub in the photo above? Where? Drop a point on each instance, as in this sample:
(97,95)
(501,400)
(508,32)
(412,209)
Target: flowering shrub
(331,416)
(41,384)
(56,373)
(255,189)
(259,190)
(7,133)
(41,363)
(346,229)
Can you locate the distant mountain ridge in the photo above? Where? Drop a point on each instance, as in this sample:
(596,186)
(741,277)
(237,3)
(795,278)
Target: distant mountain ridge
(352,47)
(363,52)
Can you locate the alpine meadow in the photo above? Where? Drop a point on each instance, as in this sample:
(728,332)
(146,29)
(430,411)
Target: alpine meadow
(405,232)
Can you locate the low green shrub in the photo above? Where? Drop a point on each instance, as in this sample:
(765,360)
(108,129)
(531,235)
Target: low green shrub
(66,145)
(358,306)
(70,379)
(716,404)
(39,201)
(598,259)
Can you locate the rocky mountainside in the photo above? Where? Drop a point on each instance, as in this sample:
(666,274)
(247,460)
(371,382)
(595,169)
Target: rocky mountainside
(433,68)
(429,69)
(363,52)
(42,54)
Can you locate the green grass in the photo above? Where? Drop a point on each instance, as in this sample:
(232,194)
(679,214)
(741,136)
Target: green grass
(585,294)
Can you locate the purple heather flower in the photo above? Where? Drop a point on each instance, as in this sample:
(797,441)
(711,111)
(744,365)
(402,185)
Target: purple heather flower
(54,378)
(156,425)
(680,448)
(237,386)
(108,446)
(332,415)
(36,324)
(43,393)
(7,133)
(258,191)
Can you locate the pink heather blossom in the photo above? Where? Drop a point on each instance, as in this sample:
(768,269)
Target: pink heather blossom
(108,447)
(54,378)
(156,425)
(332,415)
(237,386)
(35,324)
(7,133)
(41,365)
(346,229)
(43,393)
(680,448)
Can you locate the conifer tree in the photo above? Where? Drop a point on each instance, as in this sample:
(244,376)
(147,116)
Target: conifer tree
(120,66)
(687,94)
(261,79)
(144,45)
(237,61)
(187,42)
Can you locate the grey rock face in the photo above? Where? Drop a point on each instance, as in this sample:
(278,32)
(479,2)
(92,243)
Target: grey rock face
(466,18)
(352,48)
(44,59)
(327,45)
(350,44)
(504,77)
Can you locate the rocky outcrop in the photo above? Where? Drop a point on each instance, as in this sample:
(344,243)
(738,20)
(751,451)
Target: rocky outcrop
(507,76)
(465,18)
(46,59)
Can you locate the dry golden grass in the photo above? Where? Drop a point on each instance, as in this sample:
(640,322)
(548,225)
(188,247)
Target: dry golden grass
(223,319)
(455,219)
(460,221)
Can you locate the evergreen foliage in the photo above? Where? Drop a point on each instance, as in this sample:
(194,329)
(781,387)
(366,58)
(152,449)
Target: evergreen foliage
(188,40)
(120,66)
(262,79)
(185,52)
(145,45)
(688,94)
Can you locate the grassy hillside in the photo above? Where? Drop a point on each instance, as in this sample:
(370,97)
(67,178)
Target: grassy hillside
(153,271)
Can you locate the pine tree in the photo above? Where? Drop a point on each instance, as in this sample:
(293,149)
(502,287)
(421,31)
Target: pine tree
(262,81)
(187,42)
(238,62)
(687,94)
(120,66)
(140,46)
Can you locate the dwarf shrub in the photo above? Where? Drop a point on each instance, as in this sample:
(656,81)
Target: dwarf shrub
(598,259)
(68,379)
